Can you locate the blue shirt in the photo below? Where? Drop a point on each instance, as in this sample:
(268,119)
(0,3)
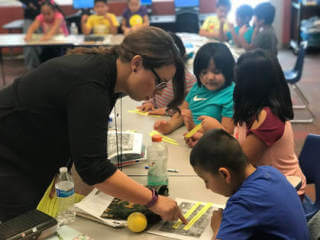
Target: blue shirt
(265,207)
(247,35)
(134,18)
(216,104)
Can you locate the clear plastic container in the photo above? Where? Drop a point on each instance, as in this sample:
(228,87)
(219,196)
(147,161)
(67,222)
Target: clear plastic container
(65,194)
(157,162)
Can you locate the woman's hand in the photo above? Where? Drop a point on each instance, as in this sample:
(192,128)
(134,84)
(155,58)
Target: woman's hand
(146,107)
(187,118)
(216,221)
(163,126)
(192,141)
(168,209)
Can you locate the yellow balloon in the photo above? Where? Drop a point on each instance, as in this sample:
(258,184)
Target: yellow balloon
(137,222)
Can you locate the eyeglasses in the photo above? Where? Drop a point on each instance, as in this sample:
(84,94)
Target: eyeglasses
(159,83)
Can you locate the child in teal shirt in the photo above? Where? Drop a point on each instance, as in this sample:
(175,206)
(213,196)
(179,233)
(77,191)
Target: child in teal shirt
(211,96)
(242,33)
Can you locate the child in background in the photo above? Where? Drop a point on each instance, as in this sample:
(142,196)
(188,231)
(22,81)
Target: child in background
(241,34)
(134,17)
(158,104)
(262,203)
(217,26)
(211,95)
(101,22)
(51,22)
(262,114)
(264,36)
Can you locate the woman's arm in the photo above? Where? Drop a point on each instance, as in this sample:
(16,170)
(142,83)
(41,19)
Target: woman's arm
(54,29)
(121,186)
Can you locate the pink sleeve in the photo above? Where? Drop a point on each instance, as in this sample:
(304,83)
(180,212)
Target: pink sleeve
(40,18)
(271,130)
(58,15)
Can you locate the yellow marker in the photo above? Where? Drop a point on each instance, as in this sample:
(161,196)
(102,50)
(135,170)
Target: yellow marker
(188,213)
(197,216)
(193,131)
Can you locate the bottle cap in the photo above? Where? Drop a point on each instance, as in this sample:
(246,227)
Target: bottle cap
(63,170)
(156,138)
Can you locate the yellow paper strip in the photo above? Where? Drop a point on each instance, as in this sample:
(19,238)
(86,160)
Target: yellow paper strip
(188,213)
(196,217)
(164,138)
(193,131)
(139,112)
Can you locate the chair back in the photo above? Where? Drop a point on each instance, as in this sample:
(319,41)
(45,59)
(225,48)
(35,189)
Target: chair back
(309,160)
(187,22)
(298,67)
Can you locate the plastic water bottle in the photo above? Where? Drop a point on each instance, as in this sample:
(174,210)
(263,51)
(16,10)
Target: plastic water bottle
(65,193)
(157,162)
(74,29)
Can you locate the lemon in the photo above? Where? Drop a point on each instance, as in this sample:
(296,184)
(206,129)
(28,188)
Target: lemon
(137,222)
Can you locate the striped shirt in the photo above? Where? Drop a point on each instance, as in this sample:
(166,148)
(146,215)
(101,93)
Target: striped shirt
(161,101)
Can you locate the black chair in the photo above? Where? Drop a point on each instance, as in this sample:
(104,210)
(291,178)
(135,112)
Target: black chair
(293,77)
(310,165)
(187,22)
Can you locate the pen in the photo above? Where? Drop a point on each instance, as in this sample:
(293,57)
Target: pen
(169,169)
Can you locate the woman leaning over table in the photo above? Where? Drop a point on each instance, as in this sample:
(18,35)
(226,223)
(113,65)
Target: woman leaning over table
(60,110)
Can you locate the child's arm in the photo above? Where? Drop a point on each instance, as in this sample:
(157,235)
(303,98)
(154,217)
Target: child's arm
(216,222)
(33,27)
(209,123)
(253,147)
(146,21)
(250,46)
(235,37)
(222,36)
(124,28)
(207,34)
(54,29)
(172,124)
(113,27)
(85,29)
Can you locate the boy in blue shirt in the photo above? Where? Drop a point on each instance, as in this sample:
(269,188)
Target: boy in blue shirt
(262,203)
(241,34)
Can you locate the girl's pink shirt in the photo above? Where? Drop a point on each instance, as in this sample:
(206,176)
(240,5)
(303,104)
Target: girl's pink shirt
(279,154)
(46,26)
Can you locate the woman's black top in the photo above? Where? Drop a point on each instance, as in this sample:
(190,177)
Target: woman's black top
(59,112)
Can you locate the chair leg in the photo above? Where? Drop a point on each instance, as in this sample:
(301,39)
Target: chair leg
(304,106)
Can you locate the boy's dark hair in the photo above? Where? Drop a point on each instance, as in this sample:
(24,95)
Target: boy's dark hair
(244,11)
(104,1)
(218,149)
(265,11)
(260,83)
(225,3)
(177,40)
(222,58)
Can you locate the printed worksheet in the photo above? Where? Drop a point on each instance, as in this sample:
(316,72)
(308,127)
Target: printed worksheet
(198,215)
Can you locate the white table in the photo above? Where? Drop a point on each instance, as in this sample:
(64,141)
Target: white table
(17,40)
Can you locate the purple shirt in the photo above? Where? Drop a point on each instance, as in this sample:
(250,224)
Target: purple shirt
(134,18)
